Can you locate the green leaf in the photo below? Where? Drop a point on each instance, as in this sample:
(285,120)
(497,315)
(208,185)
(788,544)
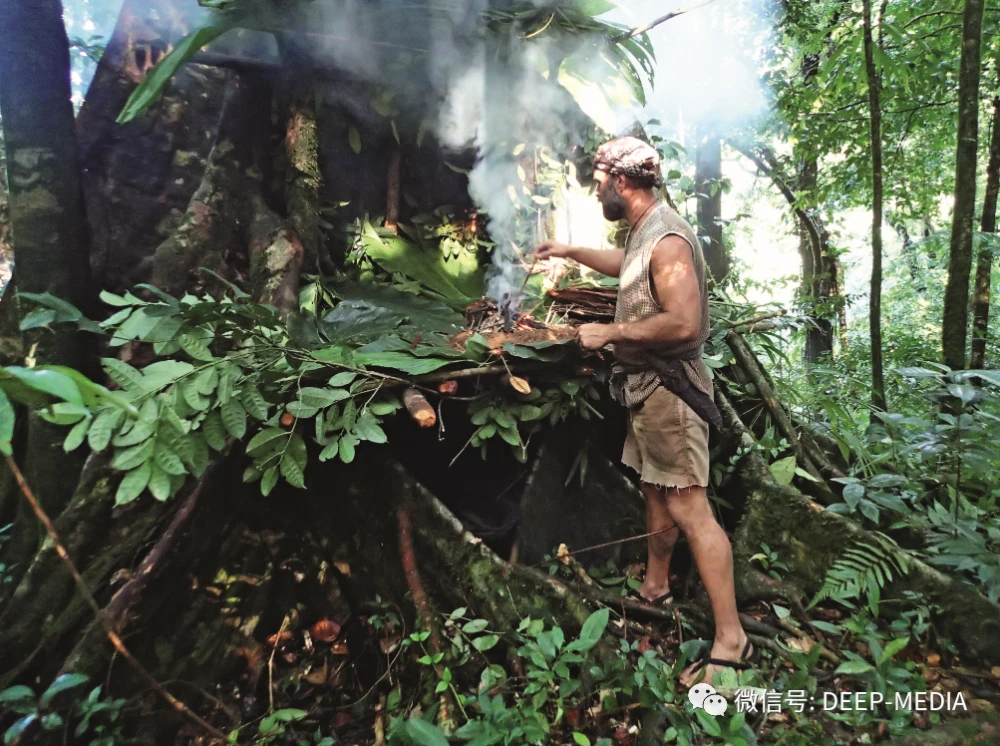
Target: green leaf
(76,436)
(61,684)
(892,648)
(458,280)
(253,402)
(784,470)
(132,457)
(159,483)
(593,7)
(581,739)
(486,642)
(51,382)
(166,459)
(234,417)
(319,398)
(854,668)
(292,472)
(265,439)
(156,80)
(214,430)
(268,481)
(163,373)
(103,427)
(343,379)
(19,693)
(122,373)
(709,723)
(15,731)
(423,733)
(6,424)
(133,484)
(354,139)
(594,628)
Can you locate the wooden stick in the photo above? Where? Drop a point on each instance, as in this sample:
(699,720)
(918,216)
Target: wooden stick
(409,562)
(653,24)
(752,321)
(419,408)
(393,191)
(116,641)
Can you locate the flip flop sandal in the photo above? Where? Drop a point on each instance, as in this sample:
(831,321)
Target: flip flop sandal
(745,661)
(658,601)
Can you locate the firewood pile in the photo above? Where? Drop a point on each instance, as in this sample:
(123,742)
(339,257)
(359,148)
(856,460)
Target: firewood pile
(584,305)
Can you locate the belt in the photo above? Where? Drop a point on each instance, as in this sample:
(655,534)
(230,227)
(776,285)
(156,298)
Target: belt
(674,377)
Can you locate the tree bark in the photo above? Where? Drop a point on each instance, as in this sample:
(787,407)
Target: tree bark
(708,172)
(48,221)
(984,260)
(956,295)
(875,299)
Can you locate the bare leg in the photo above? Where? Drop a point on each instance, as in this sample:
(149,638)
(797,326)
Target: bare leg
(661,546)
(713,556)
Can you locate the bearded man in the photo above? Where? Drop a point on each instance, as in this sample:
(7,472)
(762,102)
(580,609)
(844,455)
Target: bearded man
(661,324)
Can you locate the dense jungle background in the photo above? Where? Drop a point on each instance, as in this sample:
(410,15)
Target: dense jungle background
(298,444)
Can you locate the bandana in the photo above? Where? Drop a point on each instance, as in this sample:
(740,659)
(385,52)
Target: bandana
(629,156)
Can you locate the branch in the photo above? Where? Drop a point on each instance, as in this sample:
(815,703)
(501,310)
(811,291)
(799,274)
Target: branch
(116,641)
(653,24)
(770,169)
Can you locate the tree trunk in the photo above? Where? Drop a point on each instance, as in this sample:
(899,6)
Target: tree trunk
(817,275)
(875,300)
(708,175)
(48,222)
(46,199)
(954,325)
(984,260)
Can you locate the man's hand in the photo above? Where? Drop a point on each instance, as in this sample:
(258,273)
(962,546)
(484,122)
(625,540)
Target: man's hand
(593,336)
(552,250)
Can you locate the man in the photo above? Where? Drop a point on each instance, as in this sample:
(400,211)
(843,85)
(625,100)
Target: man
(661,324)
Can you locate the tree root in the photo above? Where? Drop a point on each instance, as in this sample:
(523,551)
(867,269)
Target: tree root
(228,224)
(810,539)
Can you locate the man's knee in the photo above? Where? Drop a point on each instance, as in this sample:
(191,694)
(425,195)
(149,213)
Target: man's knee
(688,506)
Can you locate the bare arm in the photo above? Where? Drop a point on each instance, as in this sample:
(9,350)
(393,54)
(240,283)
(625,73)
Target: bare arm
(607,262)
(678,293)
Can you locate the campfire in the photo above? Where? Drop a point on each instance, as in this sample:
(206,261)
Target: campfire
(488,316)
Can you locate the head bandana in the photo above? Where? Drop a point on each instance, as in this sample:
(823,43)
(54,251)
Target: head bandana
(629,156)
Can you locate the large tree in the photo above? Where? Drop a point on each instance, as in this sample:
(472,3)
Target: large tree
(986,255)
(954,326)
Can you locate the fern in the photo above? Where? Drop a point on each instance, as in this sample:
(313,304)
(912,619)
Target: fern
(862,571)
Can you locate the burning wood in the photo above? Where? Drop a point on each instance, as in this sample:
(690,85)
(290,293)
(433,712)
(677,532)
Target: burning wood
(488,316)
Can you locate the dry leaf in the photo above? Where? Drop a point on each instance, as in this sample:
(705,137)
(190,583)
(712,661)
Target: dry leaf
(802,645)
(325,630)
(343,568)
(277,638)
(339,648)
(388,644)
(995,671)
(563,554)
(520,385)
(933,659)
(448,387)
(644,645)
(341,719)
(320,676)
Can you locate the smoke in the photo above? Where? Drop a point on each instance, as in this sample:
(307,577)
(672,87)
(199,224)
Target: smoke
(708,63)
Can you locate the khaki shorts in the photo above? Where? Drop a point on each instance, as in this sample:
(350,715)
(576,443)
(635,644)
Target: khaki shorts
(667,442)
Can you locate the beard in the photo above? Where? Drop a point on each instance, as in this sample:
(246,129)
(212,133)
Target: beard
(613,204)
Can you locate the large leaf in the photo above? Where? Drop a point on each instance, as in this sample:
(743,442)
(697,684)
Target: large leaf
(358,321)
(403,361)
(156,80)
(416,312)
(458,281)
(601,82)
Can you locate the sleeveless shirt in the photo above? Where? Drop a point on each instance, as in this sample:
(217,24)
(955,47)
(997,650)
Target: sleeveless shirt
(636,302)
